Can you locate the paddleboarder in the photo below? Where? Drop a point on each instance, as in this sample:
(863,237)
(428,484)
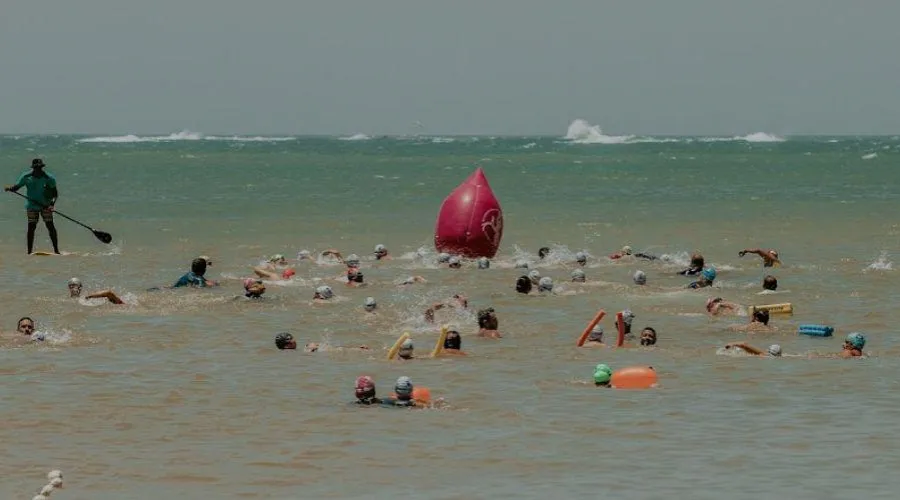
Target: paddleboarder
(42,194)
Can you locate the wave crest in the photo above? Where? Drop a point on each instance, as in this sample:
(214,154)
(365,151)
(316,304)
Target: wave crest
(184,135)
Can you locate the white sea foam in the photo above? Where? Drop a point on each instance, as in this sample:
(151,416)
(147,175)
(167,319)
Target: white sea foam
(881,263)
(754,137)
(582,132)
(184,135)
(356,137)
(870,156)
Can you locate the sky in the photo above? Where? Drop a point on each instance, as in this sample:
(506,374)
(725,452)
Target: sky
(494,67)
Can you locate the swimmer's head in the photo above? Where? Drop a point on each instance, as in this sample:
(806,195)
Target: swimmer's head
(711,302)
(443,258)
(453,340)
(487,319)
(323,292)
(484,263)
(285,341)
(454,263)
(602,375)
(254,287)
(25,325)
(370,304)
(596,334)
(627,317)
(354,275)
(198,266)
(543,252)
(303,255)
(774,254)
(521,264)
(770,283)
(277,259)
(352,260)
(207,259)
(855,340)
(74,287)
(461,300)
(581,258)
(578,276)
(287,274)
(709,274)
(545,284)
(626,250)
(365,387)
(523,284)
(406,349)
(640,278)
(380,251)
(535,276)
(774,350)
(697,260)
(648,336)
(403,388)
(761,317)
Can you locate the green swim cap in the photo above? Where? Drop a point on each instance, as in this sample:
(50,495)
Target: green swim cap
(601,377)
(603,368)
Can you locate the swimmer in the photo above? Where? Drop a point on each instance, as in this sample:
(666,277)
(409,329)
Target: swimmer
(75,292)
(365,391)
(457,300)
(453,344)
(545,285)
(488,323)
(454,263)
(207,259)
(543,252)
(758,322)
(323,293)
(627,319)
(595,338)
(370,305)
(718,305)
(403,390)
(578,276)
(381,253)
(332,253)
(696,266)
(602,375)
(271,274)
(648,336)
(352,260)
(639,278)
(355,277)
(774,350)
(285,341)
(253,289)
(194,278)
(304,255)
(412,280)
(853,345)
(443,258)
(24,333)
(534,276)
(484,263)
(770,283)
(406,350)
(581,258)
(707,277)
(770,256)
(624,252)
(521,264)
(523,285)
(277,260)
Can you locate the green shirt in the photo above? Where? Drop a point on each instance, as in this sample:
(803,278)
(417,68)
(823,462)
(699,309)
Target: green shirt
(41,189)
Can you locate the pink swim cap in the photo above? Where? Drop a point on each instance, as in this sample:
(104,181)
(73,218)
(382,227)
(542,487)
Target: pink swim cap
(288,273)
(248,283)
(365,386)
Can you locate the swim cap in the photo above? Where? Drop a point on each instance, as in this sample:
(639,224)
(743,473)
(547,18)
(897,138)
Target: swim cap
(580,257)
(370,303)
(523,284)
(379,248)
(365,387)
(626,250)
(403,388)
(407,344)
(627,316)
(303,254)
(287,273)
(454,261)
(596,334)
(709,273)
(545,285)
(207,259)
(602,367)
(774,350)
(325,292)
(521,264)
(38,337)
(484,263)
(75,281)
(274,258)
(774,253)
(857,340)
(601,377)
(352,260)
(578,275)
(640,278)
(250,282)
(534,275)
(443,258)
(282,339)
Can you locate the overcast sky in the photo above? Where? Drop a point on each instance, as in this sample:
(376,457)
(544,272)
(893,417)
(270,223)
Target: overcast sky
(457,66)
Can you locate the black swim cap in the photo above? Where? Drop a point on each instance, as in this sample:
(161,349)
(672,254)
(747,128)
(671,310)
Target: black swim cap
(282,340)
(523,284)
(543,252)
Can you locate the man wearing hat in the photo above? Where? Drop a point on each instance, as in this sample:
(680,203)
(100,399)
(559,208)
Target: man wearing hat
(42,194)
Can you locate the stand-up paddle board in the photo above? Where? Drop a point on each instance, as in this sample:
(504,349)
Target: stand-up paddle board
(42,253)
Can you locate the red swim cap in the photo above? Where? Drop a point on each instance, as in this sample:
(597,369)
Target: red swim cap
(288,273)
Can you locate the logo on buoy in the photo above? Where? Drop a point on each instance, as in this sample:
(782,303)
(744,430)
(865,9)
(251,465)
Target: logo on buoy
(492,226)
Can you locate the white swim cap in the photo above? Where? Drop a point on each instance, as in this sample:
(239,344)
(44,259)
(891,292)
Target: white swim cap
(626,250)
(443,258)
(640,278)
(580,257)
(484,263)
(545,284)
(379,248)
(325,292)
(534,275)
(521,264)
(578,275)
(774,350)
(75,281)
(407,344)
(370,302)
(303,254)
(352,260)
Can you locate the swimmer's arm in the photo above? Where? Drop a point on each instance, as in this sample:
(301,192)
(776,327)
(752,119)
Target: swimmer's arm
(757,251)
(429,313)
(106,294)
(746,347)
(263,273)
(333,253)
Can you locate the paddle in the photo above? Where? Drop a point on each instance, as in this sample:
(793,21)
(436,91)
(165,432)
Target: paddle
(102,236)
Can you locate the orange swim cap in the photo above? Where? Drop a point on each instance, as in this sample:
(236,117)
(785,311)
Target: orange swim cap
(288,273)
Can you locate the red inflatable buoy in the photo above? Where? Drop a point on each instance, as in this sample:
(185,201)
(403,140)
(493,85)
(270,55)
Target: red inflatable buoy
(470,222)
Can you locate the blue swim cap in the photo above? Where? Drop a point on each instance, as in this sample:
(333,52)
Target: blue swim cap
(857,340)
(709,273)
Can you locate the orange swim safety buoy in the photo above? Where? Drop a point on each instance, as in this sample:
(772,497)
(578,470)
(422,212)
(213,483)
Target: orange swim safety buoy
(634,377)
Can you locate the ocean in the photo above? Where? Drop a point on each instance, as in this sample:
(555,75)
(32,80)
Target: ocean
(182,394)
